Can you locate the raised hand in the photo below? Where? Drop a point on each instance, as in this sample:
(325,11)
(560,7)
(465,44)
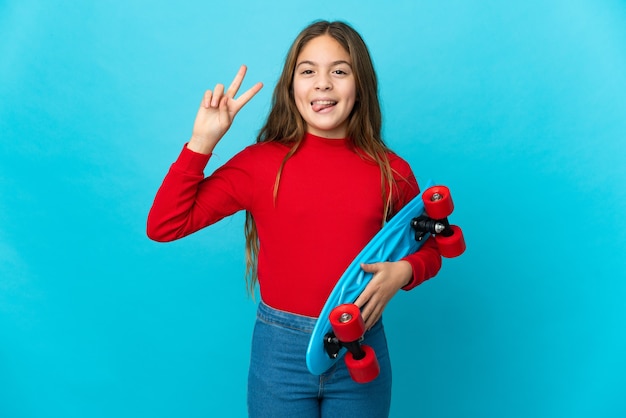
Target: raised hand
(217,111)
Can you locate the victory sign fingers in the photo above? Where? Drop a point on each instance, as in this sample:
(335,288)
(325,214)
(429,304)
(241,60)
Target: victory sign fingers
(217,112)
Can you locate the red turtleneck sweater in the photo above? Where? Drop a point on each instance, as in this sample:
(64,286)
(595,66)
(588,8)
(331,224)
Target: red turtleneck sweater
(329,205)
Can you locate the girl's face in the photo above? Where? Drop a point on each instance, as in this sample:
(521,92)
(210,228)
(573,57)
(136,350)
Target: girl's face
(324,88)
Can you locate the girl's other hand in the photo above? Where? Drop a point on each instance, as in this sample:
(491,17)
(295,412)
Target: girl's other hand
(217,111)
(389,277)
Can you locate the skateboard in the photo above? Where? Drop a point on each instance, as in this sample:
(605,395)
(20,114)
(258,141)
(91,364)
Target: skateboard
(339,329)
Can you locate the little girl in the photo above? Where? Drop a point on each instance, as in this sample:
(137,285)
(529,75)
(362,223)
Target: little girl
(316,187)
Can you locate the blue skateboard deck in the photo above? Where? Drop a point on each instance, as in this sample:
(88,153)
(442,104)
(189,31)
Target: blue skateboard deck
(393,242)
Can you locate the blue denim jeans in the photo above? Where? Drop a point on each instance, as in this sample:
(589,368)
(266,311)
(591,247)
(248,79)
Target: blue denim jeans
(280,385)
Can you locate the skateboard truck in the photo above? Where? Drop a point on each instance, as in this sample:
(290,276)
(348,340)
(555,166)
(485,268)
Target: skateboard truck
(347,332)
(438,206)
(333,346)
(424,225)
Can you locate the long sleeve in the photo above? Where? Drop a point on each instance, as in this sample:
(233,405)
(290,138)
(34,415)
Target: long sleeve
(426,263)
(187,201)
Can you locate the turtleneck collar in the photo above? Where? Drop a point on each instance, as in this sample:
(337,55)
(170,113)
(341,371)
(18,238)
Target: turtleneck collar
(334,142)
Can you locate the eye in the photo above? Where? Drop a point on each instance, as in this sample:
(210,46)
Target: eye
(306,72)
(340,72)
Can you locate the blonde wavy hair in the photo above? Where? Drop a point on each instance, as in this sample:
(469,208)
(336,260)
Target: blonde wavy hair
(285,124)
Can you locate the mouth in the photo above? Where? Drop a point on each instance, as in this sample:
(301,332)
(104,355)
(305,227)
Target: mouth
(319,105)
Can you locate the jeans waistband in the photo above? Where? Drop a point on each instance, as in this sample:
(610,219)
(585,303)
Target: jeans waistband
(285,319)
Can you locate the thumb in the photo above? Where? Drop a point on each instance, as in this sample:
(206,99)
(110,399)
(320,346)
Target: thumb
(370,268)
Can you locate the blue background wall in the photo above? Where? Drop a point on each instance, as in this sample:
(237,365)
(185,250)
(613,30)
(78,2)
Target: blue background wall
(519,106)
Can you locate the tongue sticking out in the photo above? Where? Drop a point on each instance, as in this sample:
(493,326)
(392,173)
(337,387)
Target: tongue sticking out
(317,106)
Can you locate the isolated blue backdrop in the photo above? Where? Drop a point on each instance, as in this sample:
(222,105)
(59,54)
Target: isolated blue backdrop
(519,106)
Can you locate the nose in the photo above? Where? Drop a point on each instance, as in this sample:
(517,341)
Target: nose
(323,82)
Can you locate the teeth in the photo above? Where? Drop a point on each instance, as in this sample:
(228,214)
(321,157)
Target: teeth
(324,102)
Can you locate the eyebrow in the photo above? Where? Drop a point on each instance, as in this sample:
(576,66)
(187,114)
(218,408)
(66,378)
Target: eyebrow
(332,64)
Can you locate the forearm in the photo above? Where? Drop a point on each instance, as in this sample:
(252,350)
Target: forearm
(425,263)
(201,145)
(174,212)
